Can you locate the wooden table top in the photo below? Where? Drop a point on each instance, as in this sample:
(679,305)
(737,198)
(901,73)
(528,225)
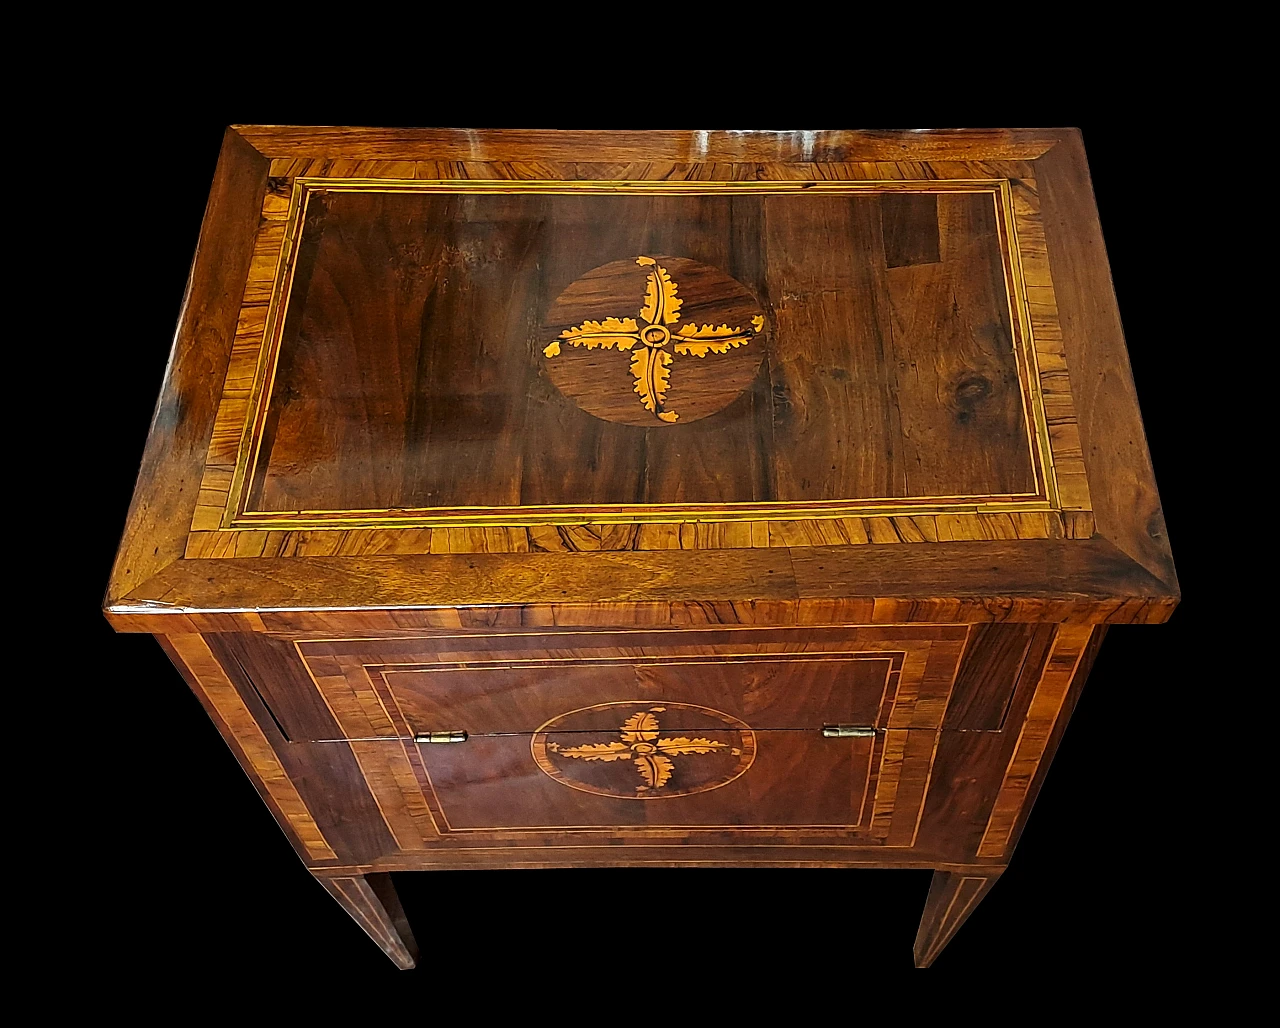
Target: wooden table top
(429,379)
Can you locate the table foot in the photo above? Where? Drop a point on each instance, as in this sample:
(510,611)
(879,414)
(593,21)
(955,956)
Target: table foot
(372,902)
(953,896)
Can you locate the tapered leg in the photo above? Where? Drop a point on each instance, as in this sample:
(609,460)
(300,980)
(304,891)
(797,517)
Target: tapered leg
(952,898)
(371,899)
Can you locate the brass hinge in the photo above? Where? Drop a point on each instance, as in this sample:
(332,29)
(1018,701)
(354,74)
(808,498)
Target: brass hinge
(440,737)
(847,732)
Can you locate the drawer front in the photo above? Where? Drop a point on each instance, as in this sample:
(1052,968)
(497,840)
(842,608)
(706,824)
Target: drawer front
(625,732)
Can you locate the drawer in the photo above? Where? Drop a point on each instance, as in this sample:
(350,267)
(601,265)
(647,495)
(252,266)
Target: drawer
(630,731)
(558,742)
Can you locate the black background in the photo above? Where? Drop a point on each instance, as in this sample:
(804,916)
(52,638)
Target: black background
(188,878)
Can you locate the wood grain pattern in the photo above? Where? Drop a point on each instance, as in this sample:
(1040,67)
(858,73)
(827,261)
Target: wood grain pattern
(969,766)
(368,146)
(242,365)
(356,428)
(652,171)
(1052,379)
(1033,740)
(717,451)
(173,462)
(940,334)
(994,658)
(1083,668)
(829,366)
(686,854)
(1033,580)
(909,229)
(961,404)
(784,686)
(844,531)
(1017,173)
(192,656)
(274,686)
(1113,442)
(358,713)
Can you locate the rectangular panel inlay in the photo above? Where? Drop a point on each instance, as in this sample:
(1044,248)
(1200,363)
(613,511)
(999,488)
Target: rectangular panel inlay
(896,371)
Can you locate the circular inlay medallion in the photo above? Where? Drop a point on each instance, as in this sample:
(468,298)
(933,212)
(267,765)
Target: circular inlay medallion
(641,750)
(653,341)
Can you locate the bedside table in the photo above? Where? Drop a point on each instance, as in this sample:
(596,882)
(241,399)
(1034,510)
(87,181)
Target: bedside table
(570,499)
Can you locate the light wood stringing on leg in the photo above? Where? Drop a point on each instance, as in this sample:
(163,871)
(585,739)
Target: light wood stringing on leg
(372,902)
(952,898)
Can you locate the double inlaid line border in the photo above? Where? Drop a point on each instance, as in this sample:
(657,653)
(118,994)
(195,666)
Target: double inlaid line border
(234,517)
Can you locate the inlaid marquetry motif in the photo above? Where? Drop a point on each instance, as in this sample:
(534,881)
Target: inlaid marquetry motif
(270,470)
(714,317)
(643,744)
(643,758)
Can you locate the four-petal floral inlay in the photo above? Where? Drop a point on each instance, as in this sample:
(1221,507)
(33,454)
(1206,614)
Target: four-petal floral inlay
(649,336)
(640,740)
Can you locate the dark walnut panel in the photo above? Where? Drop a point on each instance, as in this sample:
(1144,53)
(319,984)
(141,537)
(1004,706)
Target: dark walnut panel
(735,718)
(534,675)
(615,731)
(490,350)
(557,743)
(769,692)
(757,781)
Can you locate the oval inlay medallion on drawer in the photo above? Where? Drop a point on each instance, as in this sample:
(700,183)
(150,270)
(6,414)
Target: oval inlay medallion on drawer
(638,750)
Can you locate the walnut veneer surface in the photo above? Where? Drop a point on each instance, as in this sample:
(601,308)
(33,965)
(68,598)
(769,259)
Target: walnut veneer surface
(743,499)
